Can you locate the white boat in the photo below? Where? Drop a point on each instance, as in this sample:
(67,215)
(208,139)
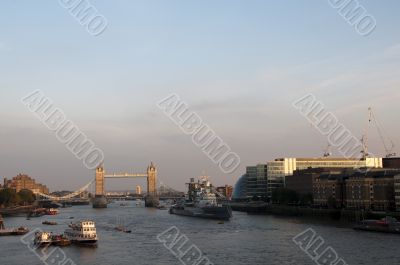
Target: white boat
(82,232)
(42,239)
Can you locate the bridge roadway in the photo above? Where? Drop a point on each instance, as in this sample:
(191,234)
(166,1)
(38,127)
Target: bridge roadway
(125,175)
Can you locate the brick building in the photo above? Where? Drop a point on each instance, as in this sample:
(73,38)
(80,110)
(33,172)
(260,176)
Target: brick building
(302,180)
(373,189)
(22,181)
(226,190)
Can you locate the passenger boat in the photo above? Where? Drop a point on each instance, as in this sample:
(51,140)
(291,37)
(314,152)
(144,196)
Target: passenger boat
(82,232)
(42,239)
(52,211)
(201,201)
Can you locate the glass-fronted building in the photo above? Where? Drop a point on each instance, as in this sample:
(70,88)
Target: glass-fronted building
(262,179)
(240,188)
(253,183)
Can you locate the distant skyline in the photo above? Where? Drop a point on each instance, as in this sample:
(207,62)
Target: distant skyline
(238,64)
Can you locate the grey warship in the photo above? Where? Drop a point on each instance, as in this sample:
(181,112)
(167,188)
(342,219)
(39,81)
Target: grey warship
(201,201)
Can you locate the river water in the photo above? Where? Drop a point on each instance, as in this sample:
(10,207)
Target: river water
(246,239)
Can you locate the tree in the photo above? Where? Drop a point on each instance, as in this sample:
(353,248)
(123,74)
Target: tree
(306,199)
(27,196)
(284,196)
(9,197)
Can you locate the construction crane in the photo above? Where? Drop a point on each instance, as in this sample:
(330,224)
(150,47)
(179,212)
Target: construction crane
(381,132)
(327,152)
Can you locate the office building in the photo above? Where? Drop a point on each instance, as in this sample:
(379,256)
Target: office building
(282,167)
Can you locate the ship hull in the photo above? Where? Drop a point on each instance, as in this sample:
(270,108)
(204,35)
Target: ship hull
(89,243)
(42,244)
(373,227)
(220,213)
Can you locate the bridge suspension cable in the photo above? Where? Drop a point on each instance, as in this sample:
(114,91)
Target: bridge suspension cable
(162,188)
(66,197)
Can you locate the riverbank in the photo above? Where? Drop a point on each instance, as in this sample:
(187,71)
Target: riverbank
(16,210)
(342,215)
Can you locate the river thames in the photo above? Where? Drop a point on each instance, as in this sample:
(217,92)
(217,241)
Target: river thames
(246,239)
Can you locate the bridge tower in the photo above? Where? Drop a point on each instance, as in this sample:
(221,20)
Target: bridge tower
(151,199)
(99,187)
(151,179)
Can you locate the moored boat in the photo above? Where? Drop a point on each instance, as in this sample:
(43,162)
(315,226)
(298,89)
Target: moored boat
(49,223)
(42,239)
(60,240)
(14,231)
(20,231)
(385,225)
(52,211)
(37,212)
(11,231)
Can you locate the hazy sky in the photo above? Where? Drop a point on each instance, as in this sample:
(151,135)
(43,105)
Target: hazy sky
(238,64)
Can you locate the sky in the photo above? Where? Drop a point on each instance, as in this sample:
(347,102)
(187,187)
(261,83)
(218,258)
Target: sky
(238,64)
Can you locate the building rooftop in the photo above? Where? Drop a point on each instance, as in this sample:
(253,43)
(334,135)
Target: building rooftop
(322,159)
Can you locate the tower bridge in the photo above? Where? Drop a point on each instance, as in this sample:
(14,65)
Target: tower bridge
(101,175)
(100,200)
